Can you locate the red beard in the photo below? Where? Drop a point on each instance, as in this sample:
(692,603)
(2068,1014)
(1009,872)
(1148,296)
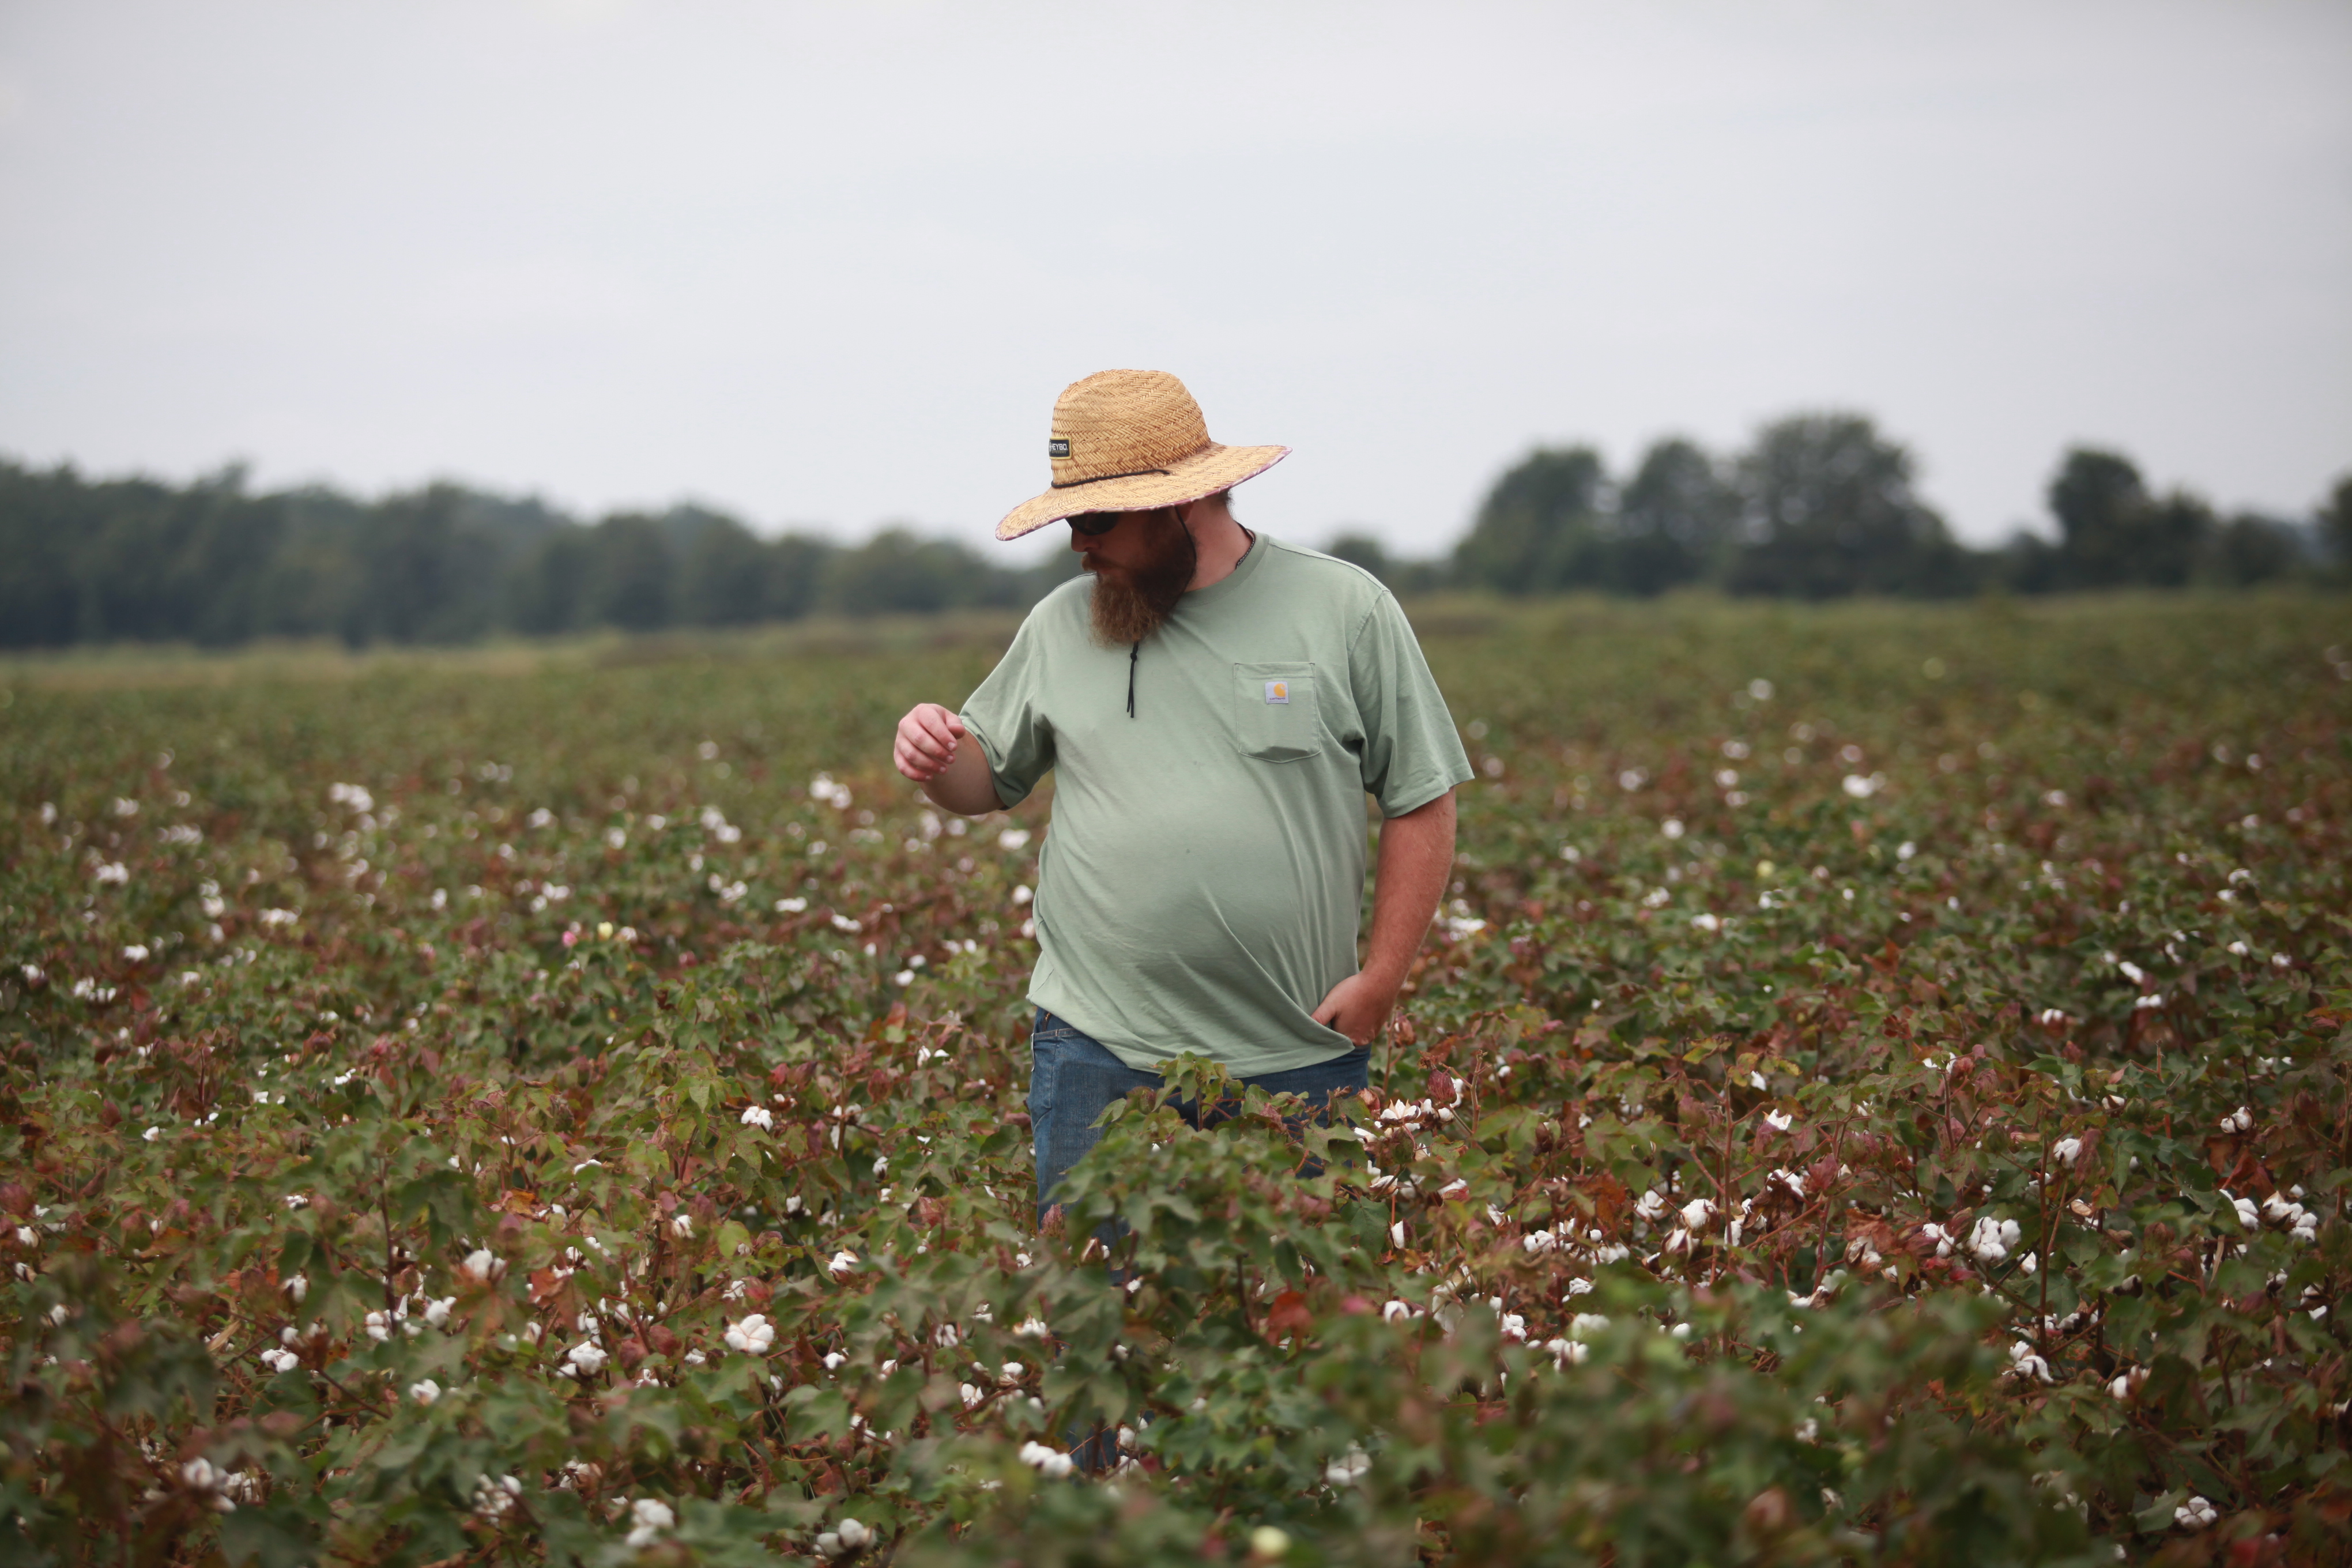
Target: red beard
(1131,603)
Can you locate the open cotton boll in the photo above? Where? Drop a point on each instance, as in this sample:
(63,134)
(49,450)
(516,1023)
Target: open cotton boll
(752,1336)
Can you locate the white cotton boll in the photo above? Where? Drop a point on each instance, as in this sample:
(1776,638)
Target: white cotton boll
(2029,1264)
(649,1518)
(1697,1214)
(1537,1242)
(2066,1150)
(947,1336)
(833,1361)
(2195,1514)
(1514,1326)
(751,1336)
(1396,1234)
(682,1226)
(972,1395)
(378,1327)
(586,1356)
(1651,1205)
(1778,1120)
(424,1392)
(1398,1313)
(758,1116)
(1347,1468)
(842,1266)
(280,1360)
(1046,1461)
(436,1313)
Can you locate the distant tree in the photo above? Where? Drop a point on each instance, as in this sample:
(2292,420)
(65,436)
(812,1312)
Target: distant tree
(797,568)
(2101,504)
(1362,549)
(1412,579)
(2334,520)
(429,570)
(1830,510)
(2029,564)
(1538,530)
(2249,549)
(724,580)
(2111,532)
(630,574)
(41,517)
(1674,521)
(549,593)
(896,571)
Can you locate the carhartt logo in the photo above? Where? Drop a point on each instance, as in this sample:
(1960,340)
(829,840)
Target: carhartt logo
(1277,691)
(1058,448)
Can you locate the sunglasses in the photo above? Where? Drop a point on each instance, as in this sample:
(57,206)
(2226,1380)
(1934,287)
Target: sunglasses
(1094,524)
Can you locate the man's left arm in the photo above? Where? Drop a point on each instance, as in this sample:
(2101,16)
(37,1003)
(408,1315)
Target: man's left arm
(1416,857)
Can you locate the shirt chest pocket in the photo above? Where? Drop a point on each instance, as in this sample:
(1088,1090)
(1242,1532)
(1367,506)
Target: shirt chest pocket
(1275,716)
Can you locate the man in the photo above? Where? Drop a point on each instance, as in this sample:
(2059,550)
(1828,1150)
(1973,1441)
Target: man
(1214,706)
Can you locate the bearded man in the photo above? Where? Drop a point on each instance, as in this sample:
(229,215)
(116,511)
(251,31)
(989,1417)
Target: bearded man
(1214,706)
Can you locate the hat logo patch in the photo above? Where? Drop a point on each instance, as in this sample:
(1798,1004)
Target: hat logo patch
(1057,447)
(1277,691)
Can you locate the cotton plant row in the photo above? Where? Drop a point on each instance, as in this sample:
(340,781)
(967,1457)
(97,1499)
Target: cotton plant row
(611,1156)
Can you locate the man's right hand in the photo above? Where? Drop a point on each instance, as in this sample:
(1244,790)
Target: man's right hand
(928,737)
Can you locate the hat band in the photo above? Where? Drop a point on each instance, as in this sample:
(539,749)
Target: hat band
(1074,484)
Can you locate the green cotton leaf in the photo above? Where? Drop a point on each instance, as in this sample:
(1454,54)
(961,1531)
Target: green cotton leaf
(814,1412)
(732,1237)
(278,1535)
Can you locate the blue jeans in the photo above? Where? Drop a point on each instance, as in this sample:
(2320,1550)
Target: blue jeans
(1071,1078)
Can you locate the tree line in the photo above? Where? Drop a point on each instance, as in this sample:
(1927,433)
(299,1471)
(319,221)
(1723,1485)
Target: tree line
(1818,506)
(216,564)
(1821,506)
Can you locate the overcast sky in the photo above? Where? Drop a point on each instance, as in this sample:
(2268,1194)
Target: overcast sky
(831,264)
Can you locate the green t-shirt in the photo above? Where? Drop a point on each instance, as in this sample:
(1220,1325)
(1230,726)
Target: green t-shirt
(1201,884)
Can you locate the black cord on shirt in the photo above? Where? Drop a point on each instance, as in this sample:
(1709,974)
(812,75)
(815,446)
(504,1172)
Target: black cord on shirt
(1135,650)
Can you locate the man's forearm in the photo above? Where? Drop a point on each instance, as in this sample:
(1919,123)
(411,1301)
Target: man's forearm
(964,786)
(1416,858)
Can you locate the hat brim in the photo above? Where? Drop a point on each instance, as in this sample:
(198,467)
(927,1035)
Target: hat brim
(1203,474)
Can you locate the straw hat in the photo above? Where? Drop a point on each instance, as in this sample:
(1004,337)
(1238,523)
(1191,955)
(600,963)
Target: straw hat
(1129,440)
